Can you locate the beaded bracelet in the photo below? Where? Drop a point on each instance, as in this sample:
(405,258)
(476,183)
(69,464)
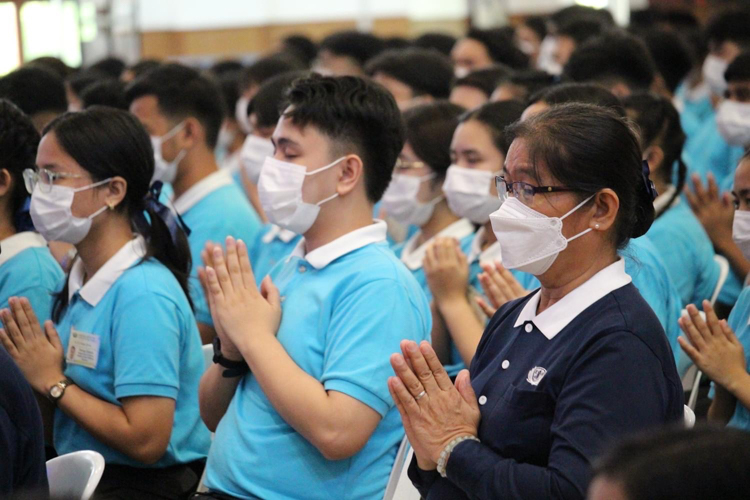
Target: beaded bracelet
(443,459)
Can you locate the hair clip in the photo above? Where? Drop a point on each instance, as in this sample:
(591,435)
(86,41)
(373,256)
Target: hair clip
(648,183)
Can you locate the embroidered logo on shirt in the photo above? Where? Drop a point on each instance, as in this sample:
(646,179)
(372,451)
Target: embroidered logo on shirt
(536,375)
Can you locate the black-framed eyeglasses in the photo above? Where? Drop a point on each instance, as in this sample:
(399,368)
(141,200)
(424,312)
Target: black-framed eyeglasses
(525,192)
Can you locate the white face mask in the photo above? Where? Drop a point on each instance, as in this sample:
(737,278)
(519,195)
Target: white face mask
(52,215)
(254,153)
(164,170)
(280,193)
(530,241)
(461,71)
(400,200)
(733,122)
(714,68)
(741,231)
(240,114)
(546,59)
(468,193)
(226,138)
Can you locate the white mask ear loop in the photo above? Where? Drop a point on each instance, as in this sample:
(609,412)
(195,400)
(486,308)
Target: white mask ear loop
(326,167)
(573,210)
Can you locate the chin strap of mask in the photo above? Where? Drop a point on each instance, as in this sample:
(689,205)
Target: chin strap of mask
(171,219)
(647,182)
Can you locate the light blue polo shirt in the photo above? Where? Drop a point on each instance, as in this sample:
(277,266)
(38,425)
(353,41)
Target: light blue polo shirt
(149,345)
(27,269)
(651,278)
(687,252)
(272,245)
(346,307)
(739,321)
(213,209)
(709,152)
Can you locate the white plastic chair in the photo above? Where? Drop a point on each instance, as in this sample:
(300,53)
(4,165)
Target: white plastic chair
(399,485)
(75,475)
(208,356)
(723,275)
(689,417)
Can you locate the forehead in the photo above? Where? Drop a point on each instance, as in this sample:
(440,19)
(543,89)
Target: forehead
(51,155)
(742,176)
(519,166)
(468,46)
(305,136)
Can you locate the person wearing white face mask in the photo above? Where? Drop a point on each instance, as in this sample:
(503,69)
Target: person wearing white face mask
(231,136)
(183,113)
(263,114)
(553,378)
(120,361)
(709,149)
(478,150)
(311,387)
(415,194)
(27,268)
(720,348)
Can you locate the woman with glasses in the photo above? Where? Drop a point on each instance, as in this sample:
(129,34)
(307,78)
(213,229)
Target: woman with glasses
(477,150)
(121,359)
(27,267)
(563,372)
(415,195)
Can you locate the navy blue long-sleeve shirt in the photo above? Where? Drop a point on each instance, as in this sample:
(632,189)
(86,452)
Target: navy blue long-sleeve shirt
(550,405)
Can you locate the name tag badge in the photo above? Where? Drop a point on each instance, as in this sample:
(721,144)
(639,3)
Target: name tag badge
(83,349)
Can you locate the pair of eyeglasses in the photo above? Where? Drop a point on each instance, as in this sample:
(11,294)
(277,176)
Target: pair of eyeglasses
(45,178)
(523,191)
(408,165)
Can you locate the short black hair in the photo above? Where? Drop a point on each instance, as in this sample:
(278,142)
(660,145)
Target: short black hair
(500,47)
(690,464)
(442,42)
(530,80)
(226,66)
(34,90)
(354,113)
(537,24)
(144,66)
(584,93)
(730,26)
(304,48)
(426,72)
(485,79)
(19,141)
(496,116)
(592,148)
(429,131)
(84,78)
(396,43)
(567,14)
(581,30)
(112,66)
(266,68)
(672,56)
(229,84)
(183,92)
(739,69)
(53,64)
(110,93)
(615,56)
(267,103)
(361,47)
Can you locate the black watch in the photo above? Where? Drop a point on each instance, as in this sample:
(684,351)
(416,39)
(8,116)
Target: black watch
(233,368)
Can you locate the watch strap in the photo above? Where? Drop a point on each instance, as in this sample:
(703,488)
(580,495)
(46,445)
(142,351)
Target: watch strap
(233,368)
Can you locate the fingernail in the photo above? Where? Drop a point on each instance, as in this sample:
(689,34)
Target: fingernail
(411,347)
(398,360)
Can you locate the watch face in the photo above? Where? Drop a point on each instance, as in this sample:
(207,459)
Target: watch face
(56,391)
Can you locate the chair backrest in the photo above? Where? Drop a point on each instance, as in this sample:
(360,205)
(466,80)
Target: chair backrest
(75,475)
(689,417)
(208,356)
(399,485)
(723,275)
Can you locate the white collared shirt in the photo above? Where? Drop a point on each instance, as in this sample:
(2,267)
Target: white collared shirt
(413,256)
(282,234)
(556,317)
(201,189)
(489,254)
(13,245)
(324,255)
(98,285)
(660,203)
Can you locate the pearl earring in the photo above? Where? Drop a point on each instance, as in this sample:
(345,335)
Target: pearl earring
(596,226)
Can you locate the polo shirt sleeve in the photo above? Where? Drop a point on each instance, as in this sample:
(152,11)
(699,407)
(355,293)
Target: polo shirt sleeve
(588,416)
(366,327)
(146,347)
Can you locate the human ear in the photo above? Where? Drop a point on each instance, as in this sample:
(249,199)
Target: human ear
(607,204)
(351,173)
